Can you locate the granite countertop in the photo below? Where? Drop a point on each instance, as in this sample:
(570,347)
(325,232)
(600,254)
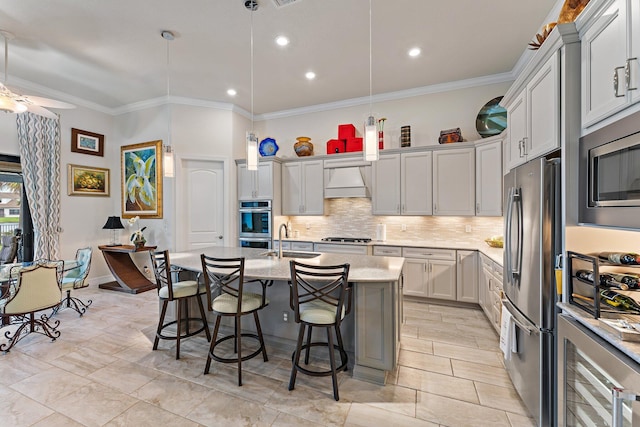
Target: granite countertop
(630,348)
(496,254)
(363,268)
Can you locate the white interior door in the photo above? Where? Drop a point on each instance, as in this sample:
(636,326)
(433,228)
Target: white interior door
(204,203)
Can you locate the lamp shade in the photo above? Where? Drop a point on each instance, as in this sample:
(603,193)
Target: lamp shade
(113,223)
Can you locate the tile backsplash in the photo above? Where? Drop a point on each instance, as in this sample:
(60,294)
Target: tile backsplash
(351,217)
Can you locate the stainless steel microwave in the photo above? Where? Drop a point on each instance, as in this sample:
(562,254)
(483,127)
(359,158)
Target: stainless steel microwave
(610,175)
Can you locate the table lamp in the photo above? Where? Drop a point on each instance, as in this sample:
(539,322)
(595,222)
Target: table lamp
(113,223)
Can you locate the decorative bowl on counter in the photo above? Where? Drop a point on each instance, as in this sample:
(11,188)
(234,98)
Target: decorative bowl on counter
(495,242)
(303,147)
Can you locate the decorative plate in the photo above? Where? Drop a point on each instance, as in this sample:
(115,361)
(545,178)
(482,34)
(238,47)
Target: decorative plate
(492,118)
(268,147)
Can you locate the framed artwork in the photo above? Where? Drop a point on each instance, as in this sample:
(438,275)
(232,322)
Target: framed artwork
(86,142)
(87,181)
(141,166)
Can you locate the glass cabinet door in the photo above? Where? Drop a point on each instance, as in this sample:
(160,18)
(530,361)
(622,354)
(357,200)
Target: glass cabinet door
(598,384)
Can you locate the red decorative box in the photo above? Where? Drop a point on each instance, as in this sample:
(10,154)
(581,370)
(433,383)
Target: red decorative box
(346,131)
(354,144)
(336,146)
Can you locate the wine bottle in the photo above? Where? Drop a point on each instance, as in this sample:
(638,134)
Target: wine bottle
(620,257)
(624,281)
(621,301)
(585,275)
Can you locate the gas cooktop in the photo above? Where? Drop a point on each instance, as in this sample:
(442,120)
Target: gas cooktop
(347,239)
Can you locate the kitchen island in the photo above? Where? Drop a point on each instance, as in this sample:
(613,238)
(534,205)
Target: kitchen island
(372,330)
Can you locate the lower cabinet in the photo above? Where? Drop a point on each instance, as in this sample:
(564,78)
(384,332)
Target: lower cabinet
(467,277)
(430,273)
(490,290)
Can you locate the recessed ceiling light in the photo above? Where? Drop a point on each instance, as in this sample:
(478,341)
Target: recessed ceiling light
(232,92)
(310,75)
(282,41)
(413,52)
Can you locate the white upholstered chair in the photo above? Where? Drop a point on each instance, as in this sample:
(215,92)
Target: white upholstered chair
(36,288)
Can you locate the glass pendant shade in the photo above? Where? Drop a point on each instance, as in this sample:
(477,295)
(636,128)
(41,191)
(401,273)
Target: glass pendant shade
(252,151)
(167,162)
(370,140)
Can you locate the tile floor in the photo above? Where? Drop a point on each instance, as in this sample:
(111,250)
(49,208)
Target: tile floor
(102,372)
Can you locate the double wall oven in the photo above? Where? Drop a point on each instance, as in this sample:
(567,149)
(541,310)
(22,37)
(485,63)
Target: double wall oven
(256,223)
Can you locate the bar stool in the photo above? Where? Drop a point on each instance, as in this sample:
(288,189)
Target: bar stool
(227,277)
(180,292)
(317,296)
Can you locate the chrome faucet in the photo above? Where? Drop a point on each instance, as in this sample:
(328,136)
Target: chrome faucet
(286,232)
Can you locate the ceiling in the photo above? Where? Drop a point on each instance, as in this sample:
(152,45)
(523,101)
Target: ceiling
(110,54)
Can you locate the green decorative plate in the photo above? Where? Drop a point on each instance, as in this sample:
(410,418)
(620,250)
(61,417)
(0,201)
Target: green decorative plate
(492,118)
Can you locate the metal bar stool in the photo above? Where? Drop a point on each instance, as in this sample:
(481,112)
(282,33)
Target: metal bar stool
(227,277)
(180,292)
(320,297)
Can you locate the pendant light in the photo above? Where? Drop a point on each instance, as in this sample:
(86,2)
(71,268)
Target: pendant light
(370,134)
(167,160)
(252,138)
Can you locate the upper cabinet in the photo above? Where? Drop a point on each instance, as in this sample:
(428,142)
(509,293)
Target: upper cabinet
(610,65)
(489,178)
(545,95)
(302,188)
(533,116)
(402,184)
(454,182)
(263,184)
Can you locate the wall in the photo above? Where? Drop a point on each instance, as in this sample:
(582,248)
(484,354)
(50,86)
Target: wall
(426,114)
(82,218)
(351,217)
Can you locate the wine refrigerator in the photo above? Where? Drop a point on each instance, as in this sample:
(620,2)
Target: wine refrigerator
(598,385)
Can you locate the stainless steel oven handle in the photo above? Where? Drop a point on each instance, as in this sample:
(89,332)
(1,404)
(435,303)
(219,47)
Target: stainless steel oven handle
(618,396)
(253,210)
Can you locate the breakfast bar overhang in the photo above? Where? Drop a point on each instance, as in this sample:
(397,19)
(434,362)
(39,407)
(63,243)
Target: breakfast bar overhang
(377,300)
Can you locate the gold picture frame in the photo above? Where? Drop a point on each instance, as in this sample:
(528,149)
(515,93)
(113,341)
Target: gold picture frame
(141,169)
(86,142)
(88,181)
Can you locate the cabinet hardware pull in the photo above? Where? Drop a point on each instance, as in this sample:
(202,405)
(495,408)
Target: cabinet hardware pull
(404,209)
(520,148)
(435,207)
(398,208)
(524,146)
(615,82)
(477,207)
(430,268)
(627,74)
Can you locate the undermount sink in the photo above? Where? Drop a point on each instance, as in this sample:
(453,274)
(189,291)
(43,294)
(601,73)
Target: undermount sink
(291,254)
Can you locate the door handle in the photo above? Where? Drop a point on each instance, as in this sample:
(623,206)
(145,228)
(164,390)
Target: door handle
(616,83)
(627,74)
(618,396)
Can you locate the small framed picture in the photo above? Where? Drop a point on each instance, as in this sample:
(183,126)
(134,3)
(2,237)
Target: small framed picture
(86,142)
(87,181)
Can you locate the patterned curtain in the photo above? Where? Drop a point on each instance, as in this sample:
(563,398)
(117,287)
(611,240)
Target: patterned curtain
(39,140)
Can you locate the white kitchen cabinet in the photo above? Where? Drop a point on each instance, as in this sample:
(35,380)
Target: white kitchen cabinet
(416,183)
(454,182)
(533,116)
(338,248)
(467,276)
(430,273)
(303,188)
(489,178)
(402,184)
(490,290)
(610,66)
(260,184)
(385,197)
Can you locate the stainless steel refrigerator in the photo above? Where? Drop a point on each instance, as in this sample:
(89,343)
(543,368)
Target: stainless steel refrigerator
(532,240)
